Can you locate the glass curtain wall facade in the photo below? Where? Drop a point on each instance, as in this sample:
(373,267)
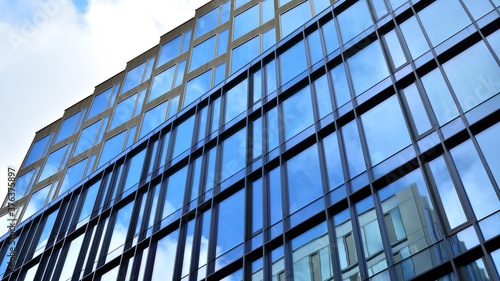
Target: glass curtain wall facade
(362,146)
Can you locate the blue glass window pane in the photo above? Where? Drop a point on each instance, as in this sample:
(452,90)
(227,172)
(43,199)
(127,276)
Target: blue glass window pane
(53,164)
(396,53)
(397,3)
(354,20)
(257,205)
(345,244)
(267,10)
(131,136)
(367,67)
(333,161)
(354,152)
(24,182)
(244,53)
(340,85)
(257,85)
(230,226)
(304,178)
(440,97)
(222,44)
(323,96)
(100,103)
(163,267)
(271,77)
(48,224)
(89,201)
(292,62)
(36,201)
(119,232)
(207,22)
(273,129)
(246,22)
(225,11)
(123,111)
(233,154)
(179,77)
(73,175)
(197,87)
(380,125)
(488,142)
(176,188)
(294,18)
(415,39)
(174,106)
(442,19)
(216,112)
(134,169)
(268,39)
(494,40)
(417,109)
(478,187)
(169,50)
(133,77)
(162,83)
(283,2)
(274,189)
(473,75)
(112,147)
(297,112)
(236,100)
(149,69)
(220,73)
(87,138)
(184,136)
(202,53)
(68,127)
(239,3)
(38,150)
(185,43)
(447,192)
(330,36)
(478,8)
(153,118)
(320,5)
(188,247)
(68,264)
(496,259)
(380,8)
(140,103)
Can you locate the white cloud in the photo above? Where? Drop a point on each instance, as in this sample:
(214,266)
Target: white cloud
(51,57)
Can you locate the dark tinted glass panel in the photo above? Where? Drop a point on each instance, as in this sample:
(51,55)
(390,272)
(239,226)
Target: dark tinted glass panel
(367,67)
(196,87)
(294,18)
(475,271)
(442,19)
(472,75)
(354,20)
(478,187)
(169,50)
(292,62)
(246,22)
(297,112)
(385,130)
(304,178)
(162,83)
(244,53)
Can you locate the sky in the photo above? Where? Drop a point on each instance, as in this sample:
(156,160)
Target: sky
(54,52)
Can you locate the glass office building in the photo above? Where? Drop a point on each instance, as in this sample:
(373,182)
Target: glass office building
(278,140)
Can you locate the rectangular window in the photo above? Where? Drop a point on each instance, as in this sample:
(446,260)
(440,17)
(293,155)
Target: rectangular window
(417,109)
(230,225)
(297,112)
(354,152)
(25,182)
(111,147)
(294,18)
(128,108)
(36,201)
(333,161)
(38,150)
(236,100)
(220,74)
(202,53)
(134,77)
(244,53)
(367,67)
(176,188)
(197,87)
(162,83)
(207,22)
(340,85)
(415,39)
(70,125)
(233,154)
(153,118)
(90,136)
(103,101)
(292,62)
(440,97)
(169,50)
(55,162)
(73,175)
(183,136)
(246,22)
(268,38)
(222,42)
(346,248)
(354,20)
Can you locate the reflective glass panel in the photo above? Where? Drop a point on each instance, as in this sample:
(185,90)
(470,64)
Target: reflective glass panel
(196,87)
(273,129)
(36,202)
(323,97)
(294,18)
(473,75)
(179,76)
(311,255)
(346,248)
(320,5)
(163,267)
(73,175)
(244,53)
(494,40)
(124,111)
(230,226)
(478,8)
(315,49)
(135,166)
(478,187)
(385,130)
(100,103)
(220,73)
(87,138)
(111,148)
(292,62)
(68,127)
(257,205)
(268,37)
(53,163)
(38,150)
(183,136)
(340,85)
(270,76)
(475,271)
(207,22)
(354,152)
(176,187)
(442,19)
(333,161)
(267,7)
(447,192)
(236,100)
(488,142)
(397,55)
(202,53)
(246,22)
(153,118)
(233,154)
(297,112)
(417,109)
(367,67)
(496,259)
(239,3)
(188,246)
(304,178)
(68,264)
(439,96)
(354,20)
(24,182)
(222,42)
(415,39)
(43,237)
(330,36)
(119,231)
(162,83)
(274,189)
(225,11)
(89,200)
(169,50)
(133,77)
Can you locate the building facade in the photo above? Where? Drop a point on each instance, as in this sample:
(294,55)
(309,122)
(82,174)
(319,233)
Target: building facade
(277,140)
